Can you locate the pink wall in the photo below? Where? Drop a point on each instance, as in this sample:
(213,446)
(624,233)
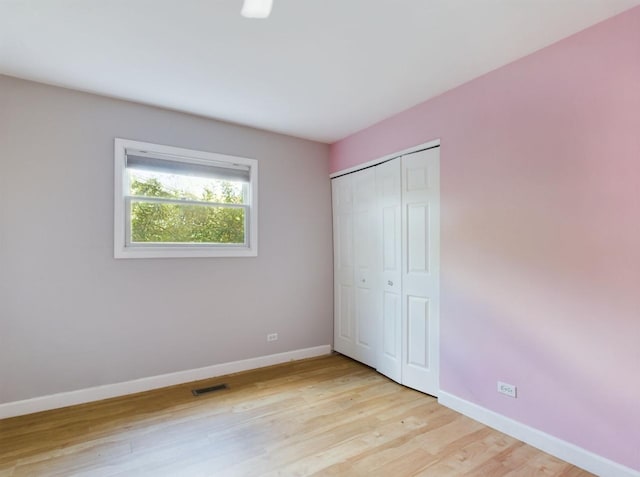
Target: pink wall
(540,234)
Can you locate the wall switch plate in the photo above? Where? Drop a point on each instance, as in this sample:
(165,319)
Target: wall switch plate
(272,337)
(507,389)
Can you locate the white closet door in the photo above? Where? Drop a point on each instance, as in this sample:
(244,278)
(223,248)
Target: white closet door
(344,307)
(389,225)
(365,262)
(420,267)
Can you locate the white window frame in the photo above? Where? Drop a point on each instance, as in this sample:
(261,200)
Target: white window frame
(121,226)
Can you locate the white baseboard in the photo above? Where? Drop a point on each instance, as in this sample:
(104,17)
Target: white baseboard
(80,396)
(552,445)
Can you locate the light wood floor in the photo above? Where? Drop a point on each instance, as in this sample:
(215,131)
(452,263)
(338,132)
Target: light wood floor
(325,416)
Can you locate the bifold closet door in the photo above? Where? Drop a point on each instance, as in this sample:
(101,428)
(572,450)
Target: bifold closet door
(365,265)
(389,235)
(342,202)
(355,262)
(386,226)
(421,265)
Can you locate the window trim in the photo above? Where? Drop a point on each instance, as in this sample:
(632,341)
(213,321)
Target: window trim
(122,249)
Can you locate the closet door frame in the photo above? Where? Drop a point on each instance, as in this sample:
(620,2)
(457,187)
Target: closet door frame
(388,157)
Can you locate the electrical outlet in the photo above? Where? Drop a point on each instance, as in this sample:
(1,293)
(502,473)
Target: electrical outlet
(508,389)
(272,337)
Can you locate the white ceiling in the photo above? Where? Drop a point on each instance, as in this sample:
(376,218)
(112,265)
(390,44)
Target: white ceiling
(317,69)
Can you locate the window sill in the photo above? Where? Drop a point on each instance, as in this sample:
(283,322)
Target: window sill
(185,252)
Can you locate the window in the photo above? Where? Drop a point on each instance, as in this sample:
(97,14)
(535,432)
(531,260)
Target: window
(174,202)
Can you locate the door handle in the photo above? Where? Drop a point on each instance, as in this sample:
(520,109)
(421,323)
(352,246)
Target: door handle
(390,283)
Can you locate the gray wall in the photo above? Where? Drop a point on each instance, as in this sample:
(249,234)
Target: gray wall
(71,316)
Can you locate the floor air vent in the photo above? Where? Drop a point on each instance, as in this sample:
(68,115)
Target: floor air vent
(210,389)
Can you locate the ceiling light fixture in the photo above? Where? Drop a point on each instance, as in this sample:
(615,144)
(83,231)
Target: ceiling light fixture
(256,8)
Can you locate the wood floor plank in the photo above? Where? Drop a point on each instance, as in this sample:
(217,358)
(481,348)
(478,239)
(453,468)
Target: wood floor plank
(328,416)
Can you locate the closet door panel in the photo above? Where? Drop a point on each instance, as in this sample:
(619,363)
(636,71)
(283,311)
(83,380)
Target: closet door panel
(417,332)
(391,331)
(344,314)
(389,220)
(418,238)
(365,263)
(344,295)
(365,333)
(420,263)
